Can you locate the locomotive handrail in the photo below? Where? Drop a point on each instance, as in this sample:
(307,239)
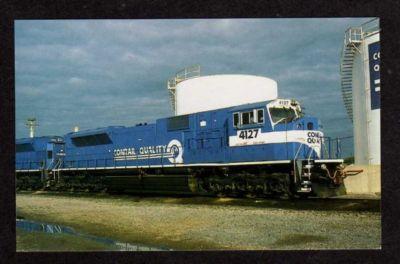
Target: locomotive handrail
(327,152)
(294,162)
(85,162)
(309,156)
(298,150)
(43,165)
(162,159)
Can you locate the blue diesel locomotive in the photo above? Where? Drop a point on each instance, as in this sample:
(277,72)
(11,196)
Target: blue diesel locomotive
(259,149)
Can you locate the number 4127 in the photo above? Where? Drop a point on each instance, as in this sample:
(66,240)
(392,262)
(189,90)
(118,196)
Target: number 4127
(246,134)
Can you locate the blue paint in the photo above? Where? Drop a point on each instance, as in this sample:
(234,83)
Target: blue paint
(200,144)
(37,157)
(374,74)
(176,140)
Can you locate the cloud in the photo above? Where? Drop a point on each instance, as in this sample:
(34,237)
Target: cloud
(30,91)
(76,81)
(75,54)
(121,66)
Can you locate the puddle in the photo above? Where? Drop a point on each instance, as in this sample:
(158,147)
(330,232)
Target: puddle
(33,226)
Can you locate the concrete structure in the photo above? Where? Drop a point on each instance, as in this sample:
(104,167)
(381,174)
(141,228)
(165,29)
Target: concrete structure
(360,80)
(191,93)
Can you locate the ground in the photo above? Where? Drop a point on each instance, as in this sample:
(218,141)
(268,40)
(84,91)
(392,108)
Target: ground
(198,223)
(36,241)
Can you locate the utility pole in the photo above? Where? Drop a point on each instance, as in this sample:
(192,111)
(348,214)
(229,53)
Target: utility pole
(31,124)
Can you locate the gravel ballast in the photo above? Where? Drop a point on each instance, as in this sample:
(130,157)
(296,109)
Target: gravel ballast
(191,223)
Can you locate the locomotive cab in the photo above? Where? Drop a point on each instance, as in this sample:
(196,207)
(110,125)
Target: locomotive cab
(278,131)
(36,160)
(309,165)
(283,111)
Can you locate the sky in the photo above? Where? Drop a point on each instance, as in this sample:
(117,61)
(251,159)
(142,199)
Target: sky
(97,73)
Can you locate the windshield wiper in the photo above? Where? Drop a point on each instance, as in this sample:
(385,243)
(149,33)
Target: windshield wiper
(280,120)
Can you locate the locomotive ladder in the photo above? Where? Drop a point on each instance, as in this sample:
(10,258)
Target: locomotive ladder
(57,170)
(352,39)
(298,171)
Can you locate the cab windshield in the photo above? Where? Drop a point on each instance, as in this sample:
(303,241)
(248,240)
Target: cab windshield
(279,115)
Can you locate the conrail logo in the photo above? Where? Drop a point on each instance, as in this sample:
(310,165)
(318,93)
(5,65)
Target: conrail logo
(173,152)
(314,137)
(175,147)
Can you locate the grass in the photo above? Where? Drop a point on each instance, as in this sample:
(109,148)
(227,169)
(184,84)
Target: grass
(38,241)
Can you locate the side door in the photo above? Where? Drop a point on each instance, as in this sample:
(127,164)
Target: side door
(210,138)
(49,155)
(54,154)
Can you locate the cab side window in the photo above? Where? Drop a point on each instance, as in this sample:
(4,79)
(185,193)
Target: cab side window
(310,126)
(236,120)
(260,115)
(247,118)
(255,116)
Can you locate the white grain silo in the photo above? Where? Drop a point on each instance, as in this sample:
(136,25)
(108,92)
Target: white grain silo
(360,80)
(191,93)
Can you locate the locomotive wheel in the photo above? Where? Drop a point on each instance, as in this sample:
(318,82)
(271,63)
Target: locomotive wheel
(302,196)
(251,195)
(221,195)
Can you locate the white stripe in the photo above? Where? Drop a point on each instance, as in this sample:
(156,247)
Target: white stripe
(195,164)
(138,157)
(378,81)
(377,89)
(329,161)
(290,136)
